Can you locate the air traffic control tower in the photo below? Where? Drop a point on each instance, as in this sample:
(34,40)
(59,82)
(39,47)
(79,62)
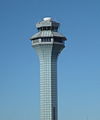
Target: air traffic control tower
(48,43)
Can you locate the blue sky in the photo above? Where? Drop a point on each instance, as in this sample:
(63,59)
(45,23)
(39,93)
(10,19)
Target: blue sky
(78,65)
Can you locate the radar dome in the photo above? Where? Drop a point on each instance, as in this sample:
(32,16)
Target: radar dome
(47,19)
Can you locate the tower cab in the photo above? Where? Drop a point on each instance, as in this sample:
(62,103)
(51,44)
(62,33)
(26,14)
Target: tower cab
(48,33)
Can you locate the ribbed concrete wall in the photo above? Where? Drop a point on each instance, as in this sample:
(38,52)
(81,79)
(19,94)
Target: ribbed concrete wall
(48,54)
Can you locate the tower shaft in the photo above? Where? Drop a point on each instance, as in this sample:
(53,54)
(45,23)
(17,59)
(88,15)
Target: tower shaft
(48,55)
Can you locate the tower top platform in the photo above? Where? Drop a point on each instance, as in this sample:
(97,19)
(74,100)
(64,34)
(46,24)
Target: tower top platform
(47,22)
(48,28)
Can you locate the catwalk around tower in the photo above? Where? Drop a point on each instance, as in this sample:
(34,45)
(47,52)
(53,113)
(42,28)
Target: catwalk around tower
(48,43)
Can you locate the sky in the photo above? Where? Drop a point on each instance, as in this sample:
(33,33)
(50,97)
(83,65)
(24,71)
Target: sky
(78,64)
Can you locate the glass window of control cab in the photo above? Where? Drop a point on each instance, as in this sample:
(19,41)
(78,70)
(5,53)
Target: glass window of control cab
(58,40)
(46,39)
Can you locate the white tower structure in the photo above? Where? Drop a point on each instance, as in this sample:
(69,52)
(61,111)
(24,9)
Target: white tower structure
(48,43)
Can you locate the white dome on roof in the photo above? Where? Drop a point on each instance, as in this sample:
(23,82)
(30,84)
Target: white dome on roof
(47,19)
